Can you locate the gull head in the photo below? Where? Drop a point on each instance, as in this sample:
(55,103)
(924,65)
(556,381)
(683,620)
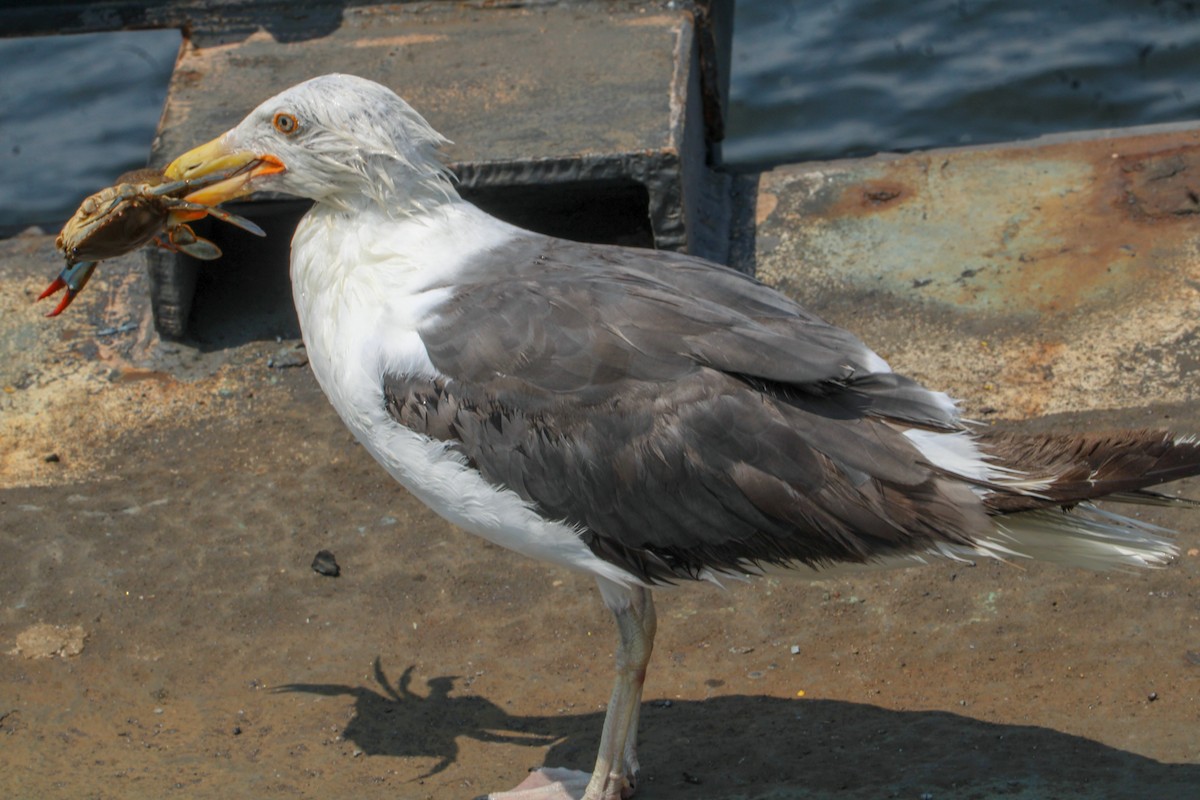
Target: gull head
(340,140)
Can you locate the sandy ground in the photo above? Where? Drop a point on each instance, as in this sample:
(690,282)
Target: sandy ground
(160,506)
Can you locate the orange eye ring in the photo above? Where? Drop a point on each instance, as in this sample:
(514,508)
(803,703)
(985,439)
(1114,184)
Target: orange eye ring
(286,123)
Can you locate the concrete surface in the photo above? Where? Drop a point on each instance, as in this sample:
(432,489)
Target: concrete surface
(160,505)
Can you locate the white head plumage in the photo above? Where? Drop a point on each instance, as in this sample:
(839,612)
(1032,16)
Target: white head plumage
(345,140)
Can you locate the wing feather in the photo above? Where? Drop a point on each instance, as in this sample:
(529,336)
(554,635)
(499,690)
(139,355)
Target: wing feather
(571,317)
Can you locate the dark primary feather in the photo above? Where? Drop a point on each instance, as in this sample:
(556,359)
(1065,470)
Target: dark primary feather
(704,472)
(1088,465)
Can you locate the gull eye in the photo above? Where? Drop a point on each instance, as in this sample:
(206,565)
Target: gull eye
(285,123)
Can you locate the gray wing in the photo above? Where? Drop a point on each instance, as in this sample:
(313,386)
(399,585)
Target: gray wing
(684,417)
(571,317)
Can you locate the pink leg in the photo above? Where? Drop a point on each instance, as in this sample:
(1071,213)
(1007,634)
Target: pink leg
(615,774)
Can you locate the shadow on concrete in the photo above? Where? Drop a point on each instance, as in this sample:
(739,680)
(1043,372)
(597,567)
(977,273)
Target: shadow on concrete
(747,745)
(246,295)
(443,718)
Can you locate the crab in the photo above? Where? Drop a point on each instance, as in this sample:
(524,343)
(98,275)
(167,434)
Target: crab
(141,207)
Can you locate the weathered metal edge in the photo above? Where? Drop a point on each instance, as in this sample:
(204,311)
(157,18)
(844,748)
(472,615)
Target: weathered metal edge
(287,21)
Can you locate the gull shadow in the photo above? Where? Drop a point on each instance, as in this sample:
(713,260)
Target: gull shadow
(759,746)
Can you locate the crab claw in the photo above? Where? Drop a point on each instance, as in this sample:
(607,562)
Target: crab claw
(54,286)
(63,303)
(72,278)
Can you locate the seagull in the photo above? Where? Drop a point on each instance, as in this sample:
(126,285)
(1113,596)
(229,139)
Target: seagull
(648,418)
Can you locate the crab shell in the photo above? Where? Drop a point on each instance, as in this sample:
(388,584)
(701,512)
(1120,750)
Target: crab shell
(112,222)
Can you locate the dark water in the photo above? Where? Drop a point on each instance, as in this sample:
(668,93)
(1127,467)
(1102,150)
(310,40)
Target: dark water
(810,80)
(822,80)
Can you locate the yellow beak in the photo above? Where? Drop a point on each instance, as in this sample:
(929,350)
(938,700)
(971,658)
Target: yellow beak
(216,156)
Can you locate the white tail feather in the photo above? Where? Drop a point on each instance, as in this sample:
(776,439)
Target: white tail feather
(1084,537)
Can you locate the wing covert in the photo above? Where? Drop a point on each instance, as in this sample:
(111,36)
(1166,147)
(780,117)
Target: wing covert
(576,318)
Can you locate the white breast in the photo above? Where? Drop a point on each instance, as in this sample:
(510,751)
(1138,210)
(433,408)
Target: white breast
(362,286)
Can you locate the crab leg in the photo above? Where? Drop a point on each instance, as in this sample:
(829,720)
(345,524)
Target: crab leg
(184,211)
(182,239)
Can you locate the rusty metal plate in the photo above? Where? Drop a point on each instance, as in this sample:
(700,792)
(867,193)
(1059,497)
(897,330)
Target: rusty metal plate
(1054,275)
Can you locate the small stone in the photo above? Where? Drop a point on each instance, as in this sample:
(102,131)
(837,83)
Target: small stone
(288,357)
(1152,696)
(795,649)
(53,458)
(47,641)
(325,564)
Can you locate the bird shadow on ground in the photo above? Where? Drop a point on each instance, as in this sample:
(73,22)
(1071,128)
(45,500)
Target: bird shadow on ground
(761,746)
